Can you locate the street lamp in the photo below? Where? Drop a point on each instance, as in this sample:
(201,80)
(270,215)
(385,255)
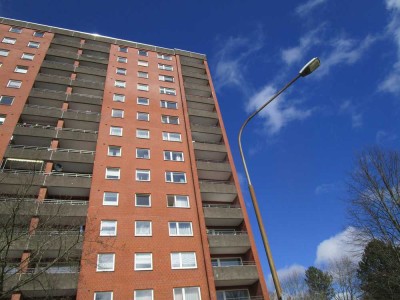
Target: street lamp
(310,67)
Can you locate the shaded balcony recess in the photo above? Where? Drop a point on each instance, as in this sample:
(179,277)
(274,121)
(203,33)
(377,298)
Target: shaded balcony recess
(86,112)
(46,201)
(62,174)
(55,128)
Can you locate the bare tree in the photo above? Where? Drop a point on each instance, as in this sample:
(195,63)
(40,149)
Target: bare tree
(345,281)
(294,286)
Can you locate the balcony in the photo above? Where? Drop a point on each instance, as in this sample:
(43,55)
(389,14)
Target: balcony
(222,215)
(95,58)
(208,170)
(192,62)
(62,53)
(197,86)
(58,65)
(202,117)
(48,94)
(96,47)
(188,74)
(217,191)
(209,151)
(201,103)
(54,79)
(239,275)
(204,134)
(69,42)
(220,242)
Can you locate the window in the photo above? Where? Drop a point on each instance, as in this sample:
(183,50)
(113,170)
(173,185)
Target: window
(21,69)
(176,177)
(165,67)
(177,201)
(233,294)
(143,200)
(183,260)
(143,101)
(142,74)
(33,45)
(166,78)
(108,228)
(171,136)
(105,262)
(15,29)
(117,113)
(8,40)
(164,56)
(4,52)
(121,71)
(142,153)
(143,295)
(110,198)
(142,116)
(167,91)
(122,59)
(143,63)
(142,175)
(143,87)
(6,100)
(28,56)
(143,53)
(117,131)
(38,34)
(103,296)
(113,173)
(120,83)
(143,228)
(173,155)
(180,228)
(15,84)
(168,104)
(143,261)
(170,120)
(123,49)
(142,133)
(2,119)
(114,151)
(226,262)
(187,293)
(118,98)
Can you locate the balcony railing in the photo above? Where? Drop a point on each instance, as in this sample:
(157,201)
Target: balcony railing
(12,171)
(55,269)
(51,149)
(45,201)
(225,232)
(236,264)
(216,181)
(56,128)
(69,78)
(86,112)
(221,206)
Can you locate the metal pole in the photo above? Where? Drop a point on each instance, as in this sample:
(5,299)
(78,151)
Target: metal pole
(253,194)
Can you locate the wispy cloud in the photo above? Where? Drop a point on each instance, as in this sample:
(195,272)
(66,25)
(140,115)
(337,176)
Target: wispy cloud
(391,83)
(348,108)
(325,188)
(305,8)
(285,273)
(338,246)
(383,138)
(279,112)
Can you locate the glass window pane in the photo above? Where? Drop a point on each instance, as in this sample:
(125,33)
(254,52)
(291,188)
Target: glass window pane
(142,200)
(103,296)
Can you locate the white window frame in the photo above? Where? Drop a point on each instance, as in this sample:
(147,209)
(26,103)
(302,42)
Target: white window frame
(166,119)
(150,233)
(122,47)
(173,197)
(143,63)
(178,255)
(103,224)
(167,91)
(142,194)
(115,110)
(166,78)
(142,52)
(142,74)
(177,229)
(147,102)
(98,262)
(21,69)
(15,29)
(119,98)
(167,136)
(109,153)
(116,127)
(164,56)
(121,71)
(151,261)
(14,84)
(8,40)
(39,34)
(8,97)
(169,155)
(4,52)
(104,292)
(149,290)
(142,130)
(171,174)
(27,56)
(165,67)
(164,104)
(143,87)
(141,114)
(183,290)
(122,59)
(120,84)
(144,171)
(108,203)
(33,45)
(148,151)
(113,169)
(2,118)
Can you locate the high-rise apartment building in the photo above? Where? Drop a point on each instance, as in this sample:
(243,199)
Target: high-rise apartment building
(117,181)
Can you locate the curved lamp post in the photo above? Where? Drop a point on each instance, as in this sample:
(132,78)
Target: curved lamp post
(310,67)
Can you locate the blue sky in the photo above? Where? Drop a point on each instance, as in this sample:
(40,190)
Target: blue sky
(300,149)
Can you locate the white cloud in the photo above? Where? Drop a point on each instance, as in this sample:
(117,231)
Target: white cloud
(350,109)
(340,245)
(393,4)
(279,113)
(324,188)
(305,8)
(285,273)
(383,137)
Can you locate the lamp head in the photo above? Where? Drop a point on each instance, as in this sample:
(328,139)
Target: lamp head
(310,67)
